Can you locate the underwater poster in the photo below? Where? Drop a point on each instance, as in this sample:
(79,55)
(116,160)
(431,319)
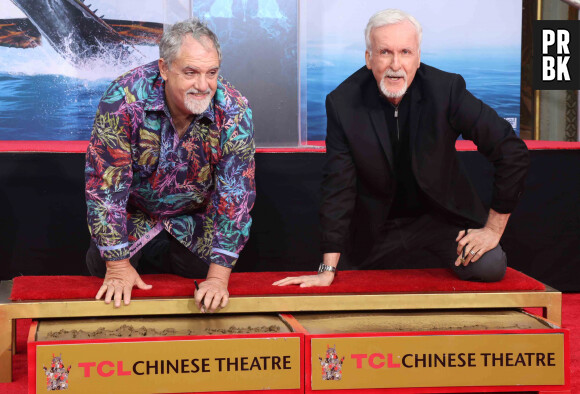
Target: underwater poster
(479,39)
(58,56)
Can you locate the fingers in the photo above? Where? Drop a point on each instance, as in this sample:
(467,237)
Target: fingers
(474,254)
(213,301)
(291,280)
(460,235)
(210,298)
(225,301)
(101,292)
(324,279)
(199,297)
(468,256)
(119,290)
(118,296)
(127,295)
(472,251)
(471,247)
(110,293)
(463,240)
(142,285)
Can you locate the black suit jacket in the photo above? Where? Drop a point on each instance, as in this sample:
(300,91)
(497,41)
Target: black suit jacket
(357,176)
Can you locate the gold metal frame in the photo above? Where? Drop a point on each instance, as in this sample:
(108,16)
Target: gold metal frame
(550,300)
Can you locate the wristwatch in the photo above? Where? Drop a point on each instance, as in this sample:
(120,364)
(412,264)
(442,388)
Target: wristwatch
(323,268)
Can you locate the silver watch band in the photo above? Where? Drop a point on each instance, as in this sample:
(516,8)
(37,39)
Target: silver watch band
(323,268)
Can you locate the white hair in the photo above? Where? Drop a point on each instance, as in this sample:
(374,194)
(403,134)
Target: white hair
(173,37)
(390,17)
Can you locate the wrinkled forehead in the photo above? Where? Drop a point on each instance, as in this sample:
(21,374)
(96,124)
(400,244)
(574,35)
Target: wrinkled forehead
(196,51)
(400,34)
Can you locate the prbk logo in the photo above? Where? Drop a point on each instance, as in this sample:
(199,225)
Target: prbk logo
(556,64)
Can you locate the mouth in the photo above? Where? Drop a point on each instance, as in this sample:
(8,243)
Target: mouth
(394,77)
(198,96)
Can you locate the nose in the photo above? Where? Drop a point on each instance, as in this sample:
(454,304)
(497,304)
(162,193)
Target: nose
(201,83)
(395,63)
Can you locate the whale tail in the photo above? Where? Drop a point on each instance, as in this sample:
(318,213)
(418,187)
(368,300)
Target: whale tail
(74,30)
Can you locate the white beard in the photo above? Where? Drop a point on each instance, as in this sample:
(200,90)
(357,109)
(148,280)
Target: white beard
(197,106)
(383,87)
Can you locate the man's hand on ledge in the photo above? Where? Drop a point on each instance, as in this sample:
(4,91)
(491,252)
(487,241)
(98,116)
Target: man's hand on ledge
(323,279)
(213,292)
(119,281)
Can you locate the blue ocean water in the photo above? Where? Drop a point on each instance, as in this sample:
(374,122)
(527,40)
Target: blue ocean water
(47,107)
(44,97)
(491,75)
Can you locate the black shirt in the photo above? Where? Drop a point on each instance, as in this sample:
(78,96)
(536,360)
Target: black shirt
(409,201)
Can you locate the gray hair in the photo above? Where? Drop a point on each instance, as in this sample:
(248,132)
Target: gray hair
(390,17)
(173,36)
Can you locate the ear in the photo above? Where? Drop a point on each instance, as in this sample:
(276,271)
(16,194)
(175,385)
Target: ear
(163,68)
(368,59)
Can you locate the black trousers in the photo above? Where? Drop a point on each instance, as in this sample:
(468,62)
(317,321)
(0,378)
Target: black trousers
(162,255)
(428,241)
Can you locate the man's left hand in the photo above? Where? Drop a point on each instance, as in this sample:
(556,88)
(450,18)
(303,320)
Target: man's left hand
(213,292)
(477,242)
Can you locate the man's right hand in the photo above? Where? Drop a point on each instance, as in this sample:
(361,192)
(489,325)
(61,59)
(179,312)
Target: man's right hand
(119,281)
(323,279)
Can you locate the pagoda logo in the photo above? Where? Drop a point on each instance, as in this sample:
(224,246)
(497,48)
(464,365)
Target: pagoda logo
(57,374)
(331,365)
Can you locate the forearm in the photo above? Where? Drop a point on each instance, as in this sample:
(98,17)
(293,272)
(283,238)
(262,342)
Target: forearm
(338,187)
(331,259)
(497,221)
(234,195)
(108,177)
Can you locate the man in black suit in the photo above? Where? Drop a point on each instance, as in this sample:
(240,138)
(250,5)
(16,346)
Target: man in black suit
(392,173)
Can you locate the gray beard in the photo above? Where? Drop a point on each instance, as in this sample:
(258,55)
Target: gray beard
(391,73)
(195,106)
(389,94)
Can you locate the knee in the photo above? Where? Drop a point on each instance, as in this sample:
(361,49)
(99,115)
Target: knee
(491,267)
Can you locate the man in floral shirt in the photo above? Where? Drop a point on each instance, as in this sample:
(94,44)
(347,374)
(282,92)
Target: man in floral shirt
(170,171)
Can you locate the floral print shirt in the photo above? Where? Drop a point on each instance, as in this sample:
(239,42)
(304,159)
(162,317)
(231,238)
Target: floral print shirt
(142,178)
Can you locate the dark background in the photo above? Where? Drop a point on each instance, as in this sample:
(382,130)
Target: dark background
(43,227)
